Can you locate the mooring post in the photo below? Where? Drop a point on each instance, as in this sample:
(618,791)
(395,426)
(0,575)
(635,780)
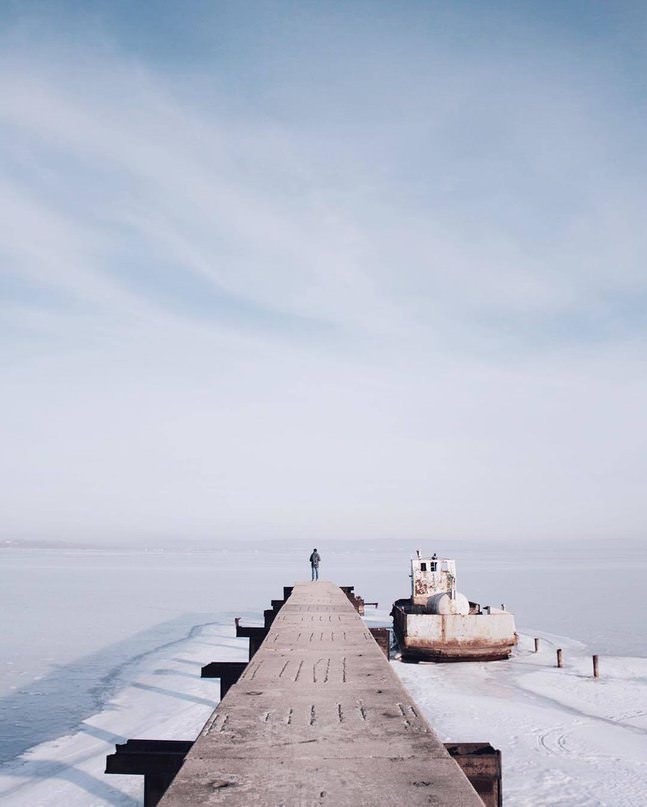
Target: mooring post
(559,657)
(536,645)
(596,669)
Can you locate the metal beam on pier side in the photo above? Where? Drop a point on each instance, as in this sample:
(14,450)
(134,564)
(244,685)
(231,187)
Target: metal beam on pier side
(318,718)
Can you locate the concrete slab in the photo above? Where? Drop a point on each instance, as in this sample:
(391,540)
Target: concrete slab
(267,725)
(299,782)
(319,717)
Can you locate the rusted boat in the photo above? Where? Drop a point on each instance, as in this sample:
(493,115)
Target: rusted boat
(438,623)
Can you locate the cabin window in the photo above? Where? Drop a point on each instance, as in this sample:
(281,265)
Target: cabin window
(423,567)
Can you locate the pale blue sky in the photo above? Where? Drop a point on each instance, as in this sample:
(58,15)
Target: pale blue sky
(323,269)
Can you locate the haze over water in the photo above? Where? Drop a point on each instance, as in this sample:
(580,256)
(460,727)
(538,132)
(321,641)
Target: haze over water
(74,619)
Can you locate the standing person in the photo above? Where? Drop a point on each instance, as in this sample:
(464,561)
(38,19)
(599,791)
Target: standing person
(314,564)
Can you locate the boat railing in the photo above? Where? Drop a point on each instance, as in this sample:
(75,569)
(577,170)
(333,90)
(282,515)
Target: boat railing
(436,565)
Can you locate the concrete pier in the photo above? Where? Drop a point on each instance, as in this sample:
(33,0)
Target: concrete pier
(318,718)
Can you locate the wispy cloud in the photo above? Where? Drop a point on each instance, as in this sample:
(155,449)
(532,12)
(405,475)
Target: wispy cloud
(393,286)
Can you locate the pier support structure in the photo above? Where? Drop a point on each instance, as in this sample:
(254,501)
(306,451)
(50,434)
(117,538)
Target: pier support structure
(318,684)
(228,671)
(158,761)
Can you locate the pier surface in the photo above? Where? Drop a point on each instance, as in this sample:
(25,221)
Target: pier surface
(318,718)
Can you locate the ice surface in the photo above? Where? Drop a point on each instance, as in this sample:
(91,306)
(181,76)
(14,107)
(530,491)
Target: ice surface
(102,646)
(162,697)
(565,737)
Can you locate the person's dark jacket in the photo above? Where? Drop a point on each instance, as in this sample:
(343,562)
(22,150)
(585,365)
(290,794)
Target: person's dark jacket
(315,558)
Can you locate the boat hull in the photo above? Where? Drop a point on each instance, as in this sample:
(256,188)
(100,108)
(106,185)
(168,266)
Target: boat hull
(452,637)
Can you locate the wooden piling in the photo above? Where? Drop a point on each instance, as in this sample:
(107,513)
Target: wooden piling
(559,657)
(596,669)
(536,645)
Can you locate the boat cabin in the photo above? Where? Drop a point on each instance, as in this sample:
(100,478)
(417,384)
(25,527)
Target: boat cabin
(431,575)
(438,623)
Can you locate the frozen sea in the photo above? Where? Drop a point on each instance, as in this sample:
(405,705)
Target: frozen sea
(101,644)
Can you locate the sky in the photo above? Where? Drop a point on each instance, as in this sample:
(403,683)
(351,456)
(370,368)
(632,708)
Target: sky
(323,270)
